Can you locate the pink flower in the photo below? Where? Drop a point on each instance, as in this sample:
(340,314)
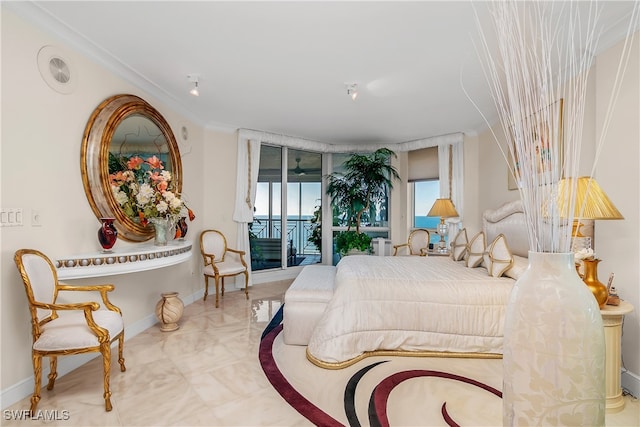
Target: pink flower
(117,178)
(135,162)
(155,162)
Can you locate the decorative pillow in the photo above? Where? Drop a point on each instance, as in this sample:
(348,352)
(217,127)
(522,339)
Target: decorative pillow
(459,245)
(475,250)
(498,258)
(518,267)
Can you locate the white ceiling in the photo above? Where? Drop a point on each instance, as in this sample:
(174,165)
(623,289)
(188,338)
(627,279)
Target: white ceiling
(281,67)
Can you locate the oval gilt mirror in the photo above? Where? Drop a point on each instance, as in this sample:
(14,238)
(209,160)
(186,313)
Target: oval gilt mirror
(122,129)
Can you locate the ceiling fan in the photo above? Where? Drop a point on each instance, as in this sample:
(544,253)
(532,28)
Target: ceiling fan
(298,170)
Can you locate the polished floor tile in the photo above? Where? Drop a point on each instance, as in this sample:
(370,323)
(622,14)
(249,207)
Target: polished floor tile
(204,374)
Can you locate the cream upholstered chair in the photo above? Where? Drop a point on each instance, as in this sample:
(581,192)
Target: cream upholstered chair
(62,329)
(417,244)
(221,261)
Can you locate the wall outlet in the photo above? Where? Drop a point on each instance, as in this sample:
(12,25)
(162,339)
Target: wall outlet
(36,218)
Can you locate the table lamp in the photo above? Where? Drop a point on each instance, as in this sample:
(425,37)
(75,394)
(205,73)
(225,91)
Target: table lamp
(591,202)
(444,209)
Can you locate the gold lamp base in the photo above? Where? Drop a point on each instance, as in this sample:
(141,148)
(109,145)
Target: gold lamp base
(590,278)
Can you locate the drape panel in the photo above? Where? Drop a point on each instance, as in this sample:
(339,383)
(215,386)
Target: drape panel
(454,169)
(246,183)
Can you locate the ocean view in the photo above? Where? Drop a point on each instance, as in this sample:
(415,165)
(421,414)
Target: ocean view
(427,222)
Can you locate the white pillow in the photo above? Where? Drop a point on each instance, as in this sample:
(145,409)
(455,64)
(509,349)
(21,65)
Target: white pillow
(518,267)
(459,245)
(498,258)
(475,250)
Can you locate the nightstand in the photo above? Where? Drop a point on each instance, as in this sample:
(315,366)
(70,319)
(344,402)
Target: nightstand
(612,316)
(434,252)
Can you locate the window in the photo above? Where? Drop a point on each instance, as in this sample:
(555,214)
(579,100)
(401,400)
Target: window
(275,238)
(425,194)
(424,185)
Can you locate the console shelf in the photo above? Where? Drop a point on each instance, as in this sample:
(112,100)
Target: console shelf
(121,261)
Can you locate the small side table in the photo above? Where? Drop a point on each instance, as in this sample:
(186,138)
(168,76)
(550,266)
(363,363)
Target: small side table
(435,253)
(612,316)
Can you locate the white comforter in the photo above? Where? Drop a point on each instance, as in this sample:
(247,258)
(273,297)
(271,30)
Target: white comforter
(413,304)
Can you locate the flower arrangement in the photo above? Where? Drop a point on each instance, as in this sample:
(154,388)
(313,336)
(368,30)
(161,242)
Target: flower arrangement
(144,190)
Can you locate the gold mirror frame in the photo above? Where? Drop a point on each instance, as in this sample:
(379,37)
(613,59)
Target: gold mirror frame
(96,143)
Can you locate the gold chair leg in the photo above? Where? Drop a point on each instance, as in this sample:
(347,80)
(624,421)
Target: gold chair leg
(106,362)
(246,284)
(37,374)
(206,287)
(53,372)
(222,286)
(120,349)
(217,289)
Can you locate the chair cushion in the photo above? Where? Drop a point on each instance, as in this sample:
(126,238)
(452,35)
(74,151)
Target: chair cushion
(225,268)
(70,330)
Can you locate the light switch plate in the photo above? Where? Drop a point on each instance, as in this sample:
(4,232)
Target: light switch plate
(11,217)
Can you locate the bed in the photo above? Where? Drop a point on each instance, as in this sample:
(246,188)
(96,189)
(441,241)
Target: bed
(421,305)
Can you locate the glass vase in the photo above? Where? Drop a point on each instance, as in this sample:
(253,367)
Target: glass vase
(107,234)
(161,227)
(553,364)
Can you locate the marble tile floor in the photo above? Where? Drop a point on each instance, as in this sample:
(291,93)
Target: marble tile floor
(204,374)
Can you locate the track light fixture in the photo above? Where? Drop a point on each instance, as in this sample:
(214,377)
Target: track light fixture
(193,78)
(352,90)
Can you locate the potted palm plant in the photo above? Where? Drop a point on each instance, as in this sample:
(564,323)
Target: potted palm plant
(355,190)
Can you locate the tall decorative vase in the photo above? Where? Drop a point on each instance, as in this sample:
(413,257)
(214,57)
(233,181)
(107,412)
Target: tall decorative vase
(169,310)
(161,227)
(107,234)
(553,364)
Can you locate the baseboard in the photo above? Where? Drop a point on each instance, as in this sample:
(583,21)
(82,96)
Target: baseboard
(66,364)
(631,383)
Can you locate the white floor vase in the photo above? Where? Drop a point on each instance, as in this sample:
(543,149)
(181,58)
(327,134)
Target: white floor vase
(554,348)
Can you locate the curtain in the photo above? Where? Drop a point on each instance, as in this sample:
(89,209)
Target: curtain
(246,182)
(451,173)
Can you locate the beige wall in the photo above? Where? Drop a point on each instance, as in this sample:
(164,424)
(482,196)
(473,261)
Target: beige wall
(618,242)
(40,170)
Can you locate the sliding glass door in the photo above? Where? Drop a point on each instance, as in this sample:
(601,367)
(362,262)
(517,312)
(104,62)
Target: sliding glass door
(294,239)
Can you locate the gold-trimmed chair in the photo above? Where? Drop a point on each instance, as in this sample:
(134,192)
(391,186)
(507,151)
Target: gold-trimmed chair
(71,328)
(417,244)
(220,261)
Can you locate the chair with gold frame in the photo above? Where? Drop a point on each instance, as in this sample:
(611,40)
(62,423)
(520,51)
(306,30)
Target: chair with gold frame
(61,329)
(417,244)
(220,261)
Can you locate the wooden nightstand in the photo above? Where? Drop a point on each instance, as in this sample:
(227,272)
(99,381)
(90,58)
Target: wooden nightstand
(612,316)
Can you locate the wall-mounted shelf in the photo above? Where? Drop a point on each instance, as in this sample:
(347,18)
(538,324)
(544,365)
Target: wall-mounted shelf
(121,261)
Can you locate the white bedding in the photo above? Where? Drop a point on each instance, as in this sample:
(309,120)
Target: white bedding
(412,304)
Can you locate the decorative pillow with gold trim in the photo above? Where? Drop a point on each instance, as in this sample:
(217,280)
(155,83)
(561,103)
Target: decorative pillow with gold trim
(475,250)
(498,258)
(518,267)
(459,245)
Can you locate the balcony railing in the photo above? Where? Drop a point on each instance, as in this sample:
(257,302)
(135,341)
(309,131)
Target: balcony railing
(298,232)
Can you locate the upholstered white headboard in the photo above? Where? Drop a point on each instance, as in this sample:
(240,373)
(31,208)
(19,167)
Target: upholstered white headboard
(509,220)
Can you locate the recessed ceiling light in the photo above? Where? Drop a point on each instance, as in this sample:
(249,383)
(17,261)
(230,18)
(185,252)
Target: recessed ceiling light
(193,78)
